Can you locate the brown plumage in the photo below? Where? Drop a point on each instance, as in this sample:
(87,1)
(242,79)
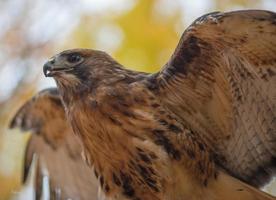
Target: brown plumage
(57,148)
(198,129)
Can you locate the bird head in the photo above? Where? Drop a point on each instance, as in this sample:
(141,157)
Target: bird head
(64,63)
(81,67)
(78,61)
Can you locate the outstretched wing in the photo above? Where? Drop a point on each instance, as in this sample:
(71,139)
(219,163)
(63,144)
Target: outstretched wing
(57,148)
(221,81)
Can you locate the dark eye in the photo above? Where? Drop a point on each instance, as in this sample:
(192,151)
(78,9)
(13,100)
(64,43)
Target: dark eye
(74,58)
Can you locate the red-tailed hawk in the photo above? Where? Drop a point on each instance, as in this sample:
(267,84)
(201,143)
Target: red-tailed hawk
(203,127)
(57,148)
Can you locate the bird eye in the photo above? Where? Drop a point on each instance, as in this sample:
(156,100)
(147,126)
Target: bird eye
(74,58)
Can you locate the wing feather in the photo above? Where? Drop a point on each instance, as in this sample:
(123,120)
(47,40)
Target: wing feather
(221,81)
(56,146)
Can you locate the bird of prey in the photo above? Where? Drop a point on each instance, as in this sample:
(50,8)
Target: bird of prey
(57,149)
(203,127)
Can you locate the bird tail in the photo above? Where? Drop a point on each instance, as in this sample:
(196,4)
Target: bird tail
(230,188)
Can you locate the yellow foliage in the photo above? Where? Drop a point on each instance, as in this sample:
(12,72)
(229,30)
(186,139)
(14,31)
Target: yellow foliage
(12,146)
(149,39)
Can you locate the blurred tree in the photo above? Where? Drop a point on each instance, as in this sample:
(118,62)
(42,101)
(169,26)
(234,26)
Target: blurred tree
(228,4)
(148,36)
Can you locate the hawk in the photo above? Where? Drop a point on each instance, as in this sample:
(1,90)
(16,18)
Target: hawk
(203,127)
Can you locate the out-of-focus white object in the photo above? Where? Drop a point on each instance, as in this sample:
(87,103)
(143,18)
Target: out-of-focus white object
(45,195)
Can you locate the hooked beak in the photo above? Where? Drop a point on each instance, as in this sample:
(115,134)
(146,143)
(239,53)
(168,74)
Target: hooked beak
(50,69)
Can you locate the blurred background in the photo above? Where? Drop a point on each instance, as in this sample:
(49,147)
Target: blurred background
(140,34)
